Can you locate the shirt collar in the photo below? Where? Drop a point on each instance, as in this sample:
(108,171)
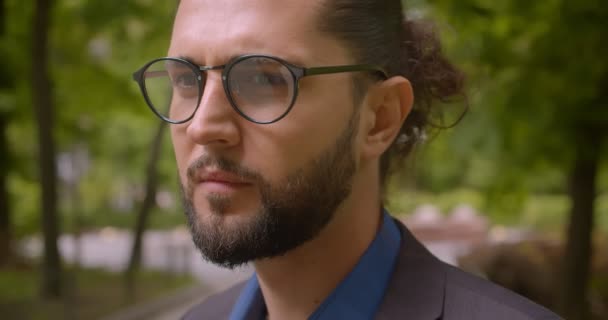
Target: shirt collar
(250,304)
(358,296)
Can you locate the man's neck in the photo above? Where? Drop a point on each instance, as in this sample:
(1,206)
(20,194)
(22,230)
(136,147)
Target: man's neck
(295,284)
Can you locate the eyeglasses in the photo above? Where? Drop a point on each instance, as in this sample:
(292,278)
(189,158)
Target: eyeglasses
(261,88)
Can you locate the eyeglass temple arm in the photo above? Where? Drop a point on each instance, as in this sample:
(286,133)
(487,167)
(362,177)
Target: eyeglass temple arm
(207,68)
(149,74)
(340,69)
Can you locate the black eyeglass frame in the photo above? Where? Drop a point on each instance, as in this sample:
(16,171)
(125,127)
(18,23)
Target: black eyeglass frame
(296,72)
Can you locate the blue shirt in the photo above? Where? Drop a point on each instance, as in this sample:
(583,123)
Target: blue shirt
(358,296)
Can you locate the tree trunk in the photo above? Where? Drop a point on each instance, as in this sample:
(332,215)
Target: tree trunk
(146,207)
(578,254)
(43,110)
(5,218)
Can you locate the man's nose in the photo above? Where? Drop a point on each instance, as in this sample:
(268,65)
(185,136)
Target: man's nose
(214,123)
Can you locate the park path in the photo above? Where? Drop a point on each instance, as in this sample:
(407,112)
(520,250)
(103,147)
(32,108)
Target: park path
(170,251)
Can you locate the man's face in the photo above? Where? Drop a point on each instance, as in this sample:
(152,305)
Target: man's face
(256,191)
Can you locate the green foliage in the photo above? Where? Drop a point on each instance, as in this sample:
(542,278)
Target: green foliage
(547,69)
(537,77)
(404,203)
(538,211)
(95,46)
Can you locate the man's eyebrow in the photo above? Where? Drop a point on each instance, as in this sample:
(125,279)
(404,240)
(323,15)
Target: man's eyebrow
(290,58)
(195,62)
(187,58)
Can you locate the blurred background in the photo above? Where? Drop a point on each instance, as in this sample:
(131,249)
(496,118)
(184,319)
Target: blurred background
(90,221)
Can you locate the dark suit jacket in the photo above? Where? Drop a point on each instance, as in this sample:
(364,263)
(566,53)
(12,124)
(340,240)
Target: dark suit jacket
(421,288)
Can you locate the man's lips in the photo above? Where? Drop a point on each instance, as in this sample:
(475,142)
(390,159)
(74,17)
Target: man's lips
(220,177)
(220,181)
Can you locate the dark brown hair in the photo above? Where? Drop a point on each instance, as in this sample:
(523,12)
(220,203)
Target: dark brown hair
(377,32)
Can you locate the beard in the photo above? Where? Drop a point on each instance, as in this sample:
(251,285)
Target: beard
(291,212)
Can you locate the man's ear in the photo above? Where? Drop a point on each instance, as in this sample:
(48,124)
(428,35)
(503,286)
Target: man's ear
(387,105)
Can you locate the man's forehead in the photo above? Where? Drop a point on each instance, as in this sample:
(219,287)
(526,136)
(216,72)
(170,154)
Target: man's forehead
(221,29)
(296,11)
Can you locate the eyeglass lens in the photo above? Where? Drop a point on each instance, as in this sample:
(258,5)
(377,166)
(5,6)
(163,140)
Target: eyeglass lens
(260,88)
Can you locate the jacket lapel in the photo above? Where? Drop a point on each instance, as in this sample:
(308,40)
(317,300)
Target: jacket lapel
(417,288)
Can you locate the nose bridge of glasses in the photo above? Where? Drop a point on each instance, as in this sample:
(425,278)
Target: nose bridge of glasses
(204,69)
(207,87)
(209,68)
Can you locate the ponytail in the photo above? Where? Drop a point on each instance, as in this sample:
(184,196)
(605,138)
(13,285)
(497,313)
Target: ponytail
(377,33)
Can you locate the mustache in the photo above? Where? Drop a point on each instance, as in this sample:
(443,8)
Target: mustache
(223,164)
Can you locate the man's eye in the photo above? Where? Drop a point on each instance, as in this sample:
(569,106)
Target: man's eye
(186,80)
(272,79)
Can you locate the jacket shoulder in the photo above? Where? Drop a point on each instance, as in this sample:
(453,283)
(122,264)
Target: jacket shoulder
(218,306)
(470,297)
